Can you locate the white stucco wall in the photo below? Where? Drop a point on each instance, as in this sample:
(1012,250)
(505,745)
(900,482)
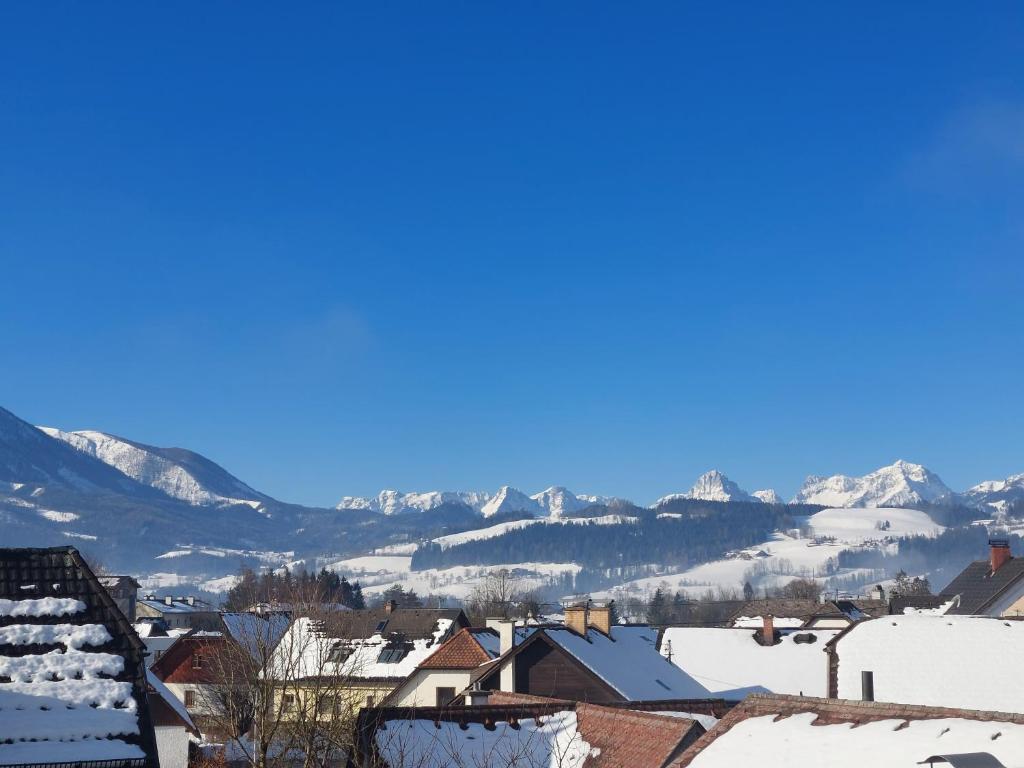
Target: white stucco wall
(172,746)
(202,695)
(421,689)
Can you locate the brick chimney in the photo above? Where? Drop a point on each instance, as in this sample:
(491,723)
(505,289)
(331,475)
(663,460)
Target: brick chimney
(999,553)
(767,630)
(390,606)
(576,618)
(601,618)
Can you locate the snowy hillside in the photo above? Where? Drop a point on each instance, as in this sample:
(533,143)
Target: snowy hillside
(858,525)
(179,473)
(786,556)
(900,484)
(29,457)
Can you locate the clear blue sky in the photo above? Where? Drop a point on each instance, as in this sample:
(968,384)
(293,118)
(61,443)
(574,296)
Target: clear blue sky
(338,248)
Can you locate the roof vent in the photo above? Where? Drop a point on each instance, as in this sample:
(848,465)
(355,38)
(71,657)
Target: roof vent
(805,637)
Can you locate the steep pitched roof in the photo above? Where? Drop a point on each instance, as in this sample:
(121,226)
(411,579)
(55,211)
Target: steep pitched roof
(76,678)
(978,588)
(463,651)
(850,733)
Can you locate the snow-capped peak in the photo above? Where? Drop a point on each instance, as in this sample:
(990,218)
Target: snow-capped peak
(768,496)
(711,486)
(901,484)
(558,501)
(509,499)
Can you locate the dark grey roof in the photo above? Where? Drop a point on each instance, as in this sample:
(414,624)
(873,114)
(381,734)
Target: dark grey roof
(60,572)
(413,623)
(978,588)
(965,760)
(899,603)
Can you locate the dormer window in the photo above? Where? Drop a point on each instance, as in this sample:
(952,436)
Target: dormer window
(392,654)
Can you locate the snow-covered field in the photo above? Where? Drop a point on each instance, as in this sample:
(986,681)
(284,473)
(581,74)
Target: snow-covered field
(378,572)
(858,525)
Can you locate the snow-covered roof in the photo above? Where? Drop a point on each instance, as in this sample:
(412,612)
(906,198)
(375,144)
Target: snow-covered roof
(629,662)
(806,731)
(257,633)
(554,740)
(307,650)
(64,699)
(951,661)
(177,605)
(722,659)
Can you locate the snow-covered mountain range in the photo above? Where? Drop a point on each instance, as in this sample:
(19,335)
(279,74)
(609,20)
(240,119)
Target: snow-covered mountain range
(134,503)
(554,502)
(901,484)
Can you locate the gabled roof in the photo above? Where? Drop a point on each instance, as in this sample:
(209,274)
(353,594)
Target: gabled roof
(76,689)
(533,733)
(978,588)
(468,649)
(627,661)
(850,734)
(952,661)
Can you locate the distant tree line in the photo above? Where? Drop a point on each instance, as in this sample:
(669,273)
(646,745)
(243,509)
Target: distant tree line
(278,588)
(705,531)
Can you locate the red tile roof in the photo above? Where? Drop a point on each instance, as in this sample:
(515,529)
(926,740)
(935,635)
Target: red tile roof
(462,651)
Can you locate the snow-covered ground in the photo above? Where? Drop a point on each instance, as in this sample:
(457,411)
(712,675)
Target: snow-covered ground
(857,525)
(378,572)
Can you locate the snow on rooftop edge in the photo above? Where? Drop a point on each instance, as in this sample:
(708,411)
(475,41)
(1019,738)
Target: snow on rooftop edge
(796,740)
(44,606)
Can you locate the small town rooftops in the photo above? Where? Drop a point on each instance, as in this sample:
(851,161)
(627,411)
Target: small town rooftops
(801,730)
(530,733)
(72,675)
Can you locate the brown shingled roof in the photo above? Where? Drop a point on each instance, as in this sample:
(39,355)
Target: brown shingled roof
(463,651)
